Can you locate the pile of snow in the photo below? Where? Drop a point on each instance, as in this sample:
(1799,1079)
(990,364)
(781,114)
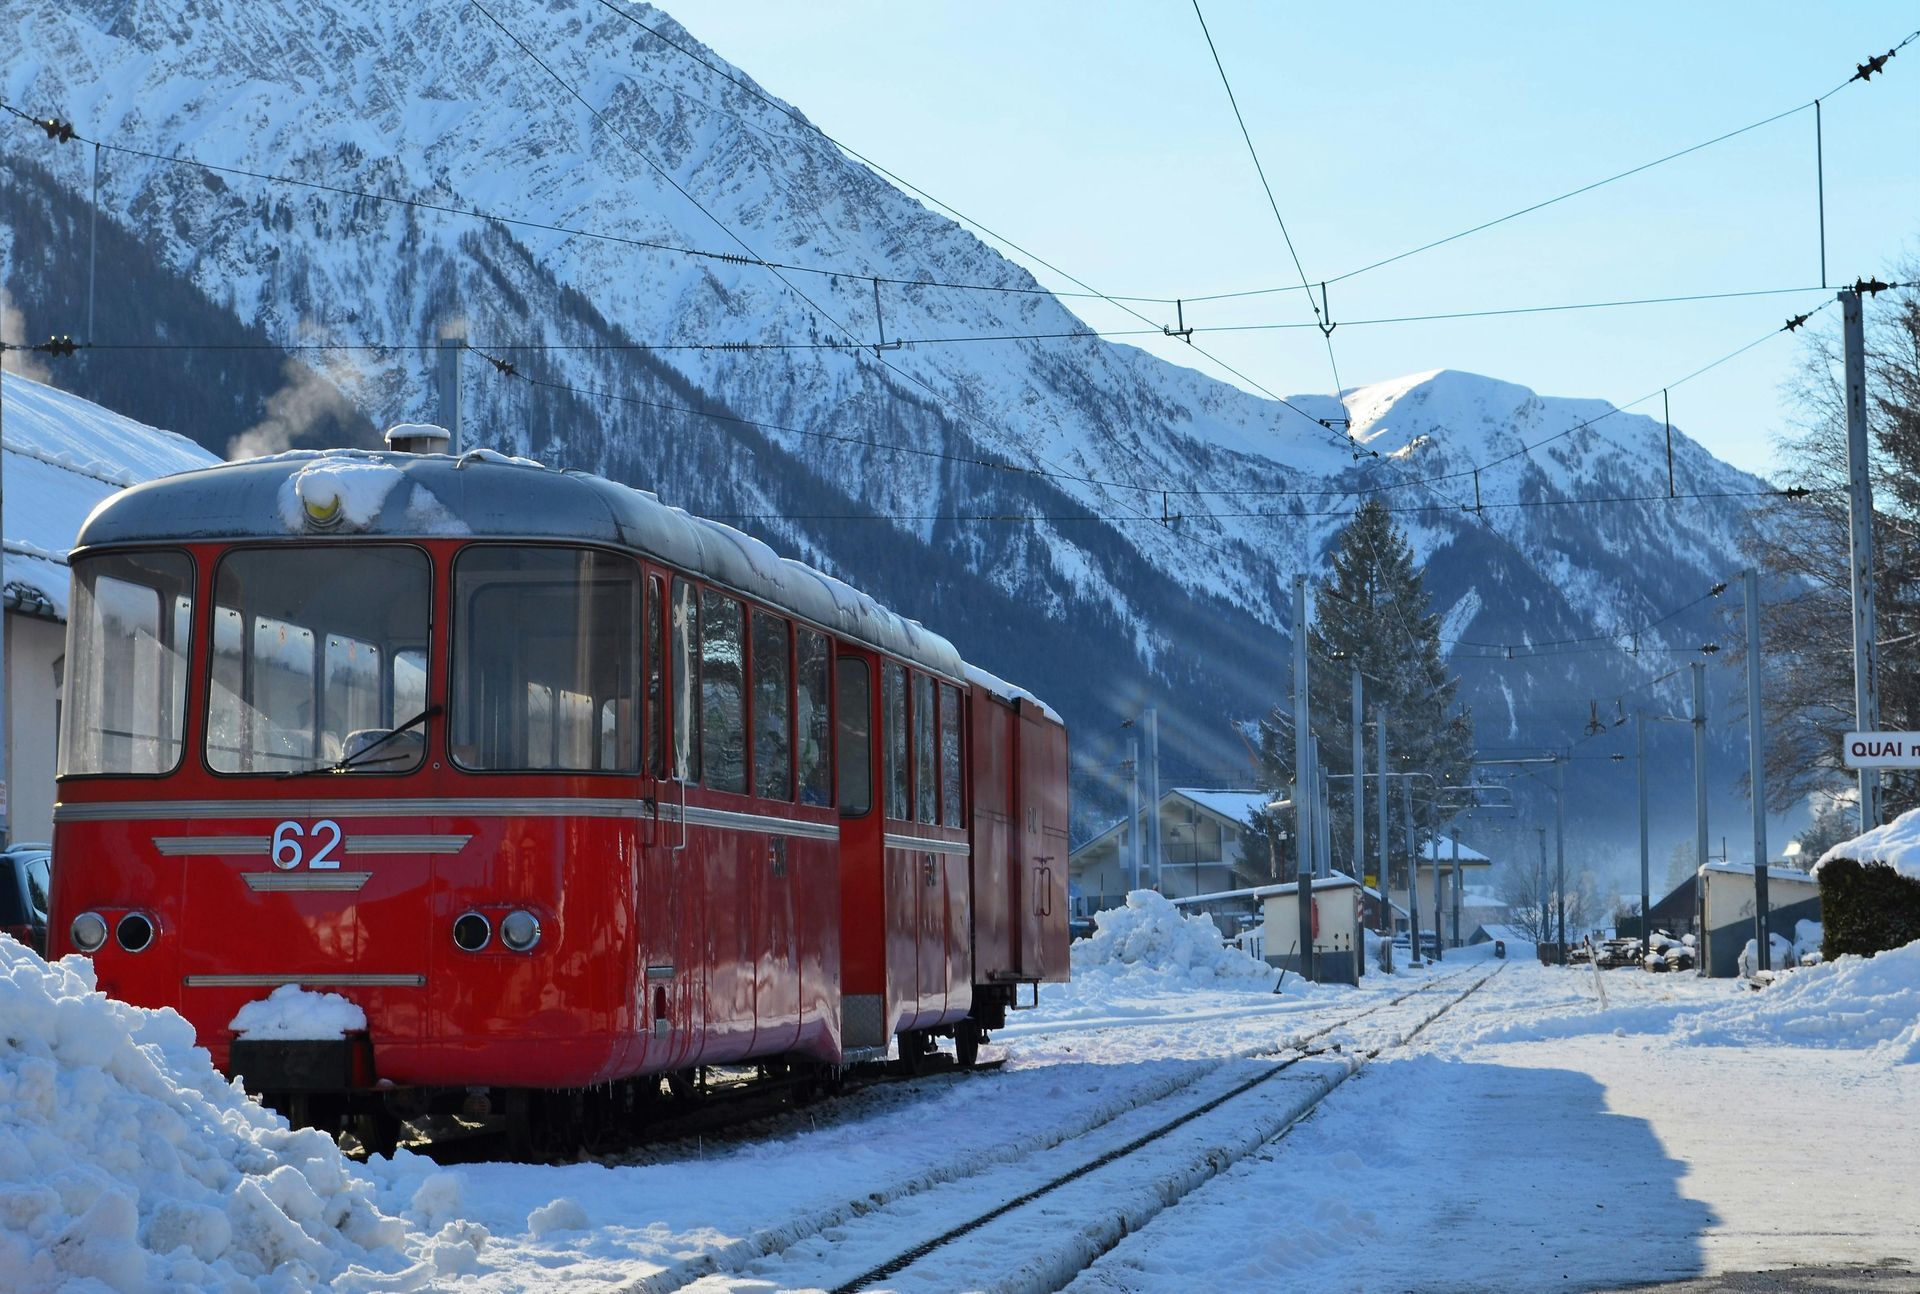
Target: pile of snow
(1854,1003)
(128,1163)
(1896,843)
(291,1013)
(1780,954)
(1808,937)
(1149,937)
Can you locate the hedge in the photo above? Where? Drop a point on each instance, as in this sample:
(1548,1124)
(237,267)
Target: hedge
(1866,908)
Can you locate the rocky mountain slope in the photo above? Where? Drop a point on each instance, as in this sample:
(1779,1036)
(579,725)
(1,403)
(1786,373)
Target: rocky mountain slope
(1012,493)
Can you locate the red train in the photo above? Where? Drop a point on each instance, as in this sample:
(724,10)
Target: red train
(564,787)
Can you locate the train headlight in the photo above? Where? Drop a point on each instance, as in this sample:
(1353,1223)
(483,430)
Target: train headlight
(88,931)
(134,932)
(323,511)
(520,931)
(471,931)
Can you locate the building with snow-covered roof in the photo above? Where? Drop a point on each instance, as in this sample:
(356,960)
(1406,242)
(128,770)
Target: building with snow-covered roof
(1437,890)
(1201,832)
(62,456)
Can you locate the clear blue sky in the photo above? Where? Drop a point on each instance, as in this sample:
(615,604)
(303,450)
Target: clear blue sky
(1099,136)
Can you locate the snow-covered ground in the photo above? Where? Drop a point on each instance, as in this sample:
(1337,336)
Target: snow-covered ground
(1527,1139)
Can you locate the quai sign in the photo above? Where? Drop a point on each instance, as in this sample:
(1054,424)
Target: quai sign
(1881,750)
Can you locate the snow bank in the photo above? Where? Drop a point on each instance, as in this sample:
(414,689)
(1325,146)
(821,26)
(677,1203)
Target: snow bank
(1896,843)
(1780,954)
(1149,937)
(127,1163)
(291,1013)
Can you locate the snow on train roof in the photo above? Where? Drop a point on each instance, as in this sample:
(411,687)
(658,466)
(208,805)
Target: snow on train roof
(487,494)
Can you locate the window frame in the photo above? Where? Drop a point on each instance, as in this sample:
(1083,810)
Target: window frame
(203,678)
(642,572)
(191,719)
(835,660)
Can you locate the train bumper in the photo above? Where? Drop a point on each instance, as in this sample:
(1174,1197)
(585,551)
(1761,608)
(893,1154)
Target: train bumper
(287,1065)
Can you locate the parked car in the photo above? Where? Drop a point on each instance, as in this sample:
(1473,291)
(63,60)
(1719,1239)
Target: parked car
(25,879)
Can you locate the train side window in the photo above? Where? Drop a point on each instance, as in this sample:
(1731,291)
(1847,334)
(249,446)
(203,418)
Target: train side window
(723,700)
(772,714)
(855,738)
(812,718)
(926,785)
(126,711)
(893,705)
(686,681)
(656,682)
(952,784)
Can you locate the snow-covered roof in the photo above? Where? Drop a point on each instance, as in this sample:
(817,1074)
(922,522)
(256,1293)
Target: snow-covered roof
(1503,933)
(1441,848)
(1009,692)
(1775,872)
(488,494)
(64,456)
(1896,843)
(1338,880)
(1236,806)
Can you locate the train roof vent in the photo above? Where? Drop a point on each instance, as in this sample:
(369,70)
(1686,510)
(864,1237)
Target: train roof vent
(418,438)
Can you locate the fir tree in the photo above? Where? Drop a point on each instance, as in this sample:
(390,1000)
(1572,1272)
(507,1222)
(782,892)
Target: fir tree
(1371,611)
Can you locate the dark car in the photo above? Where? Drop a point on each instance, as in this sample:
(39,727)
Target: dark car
(25,879)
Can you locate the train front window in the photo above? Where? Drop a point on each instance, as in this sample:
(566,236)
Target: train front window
(125,703)
(544,660)
(318,653)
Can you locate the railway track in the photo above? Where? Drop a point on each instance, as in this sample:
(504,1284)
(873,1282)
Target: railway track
(1009,1177)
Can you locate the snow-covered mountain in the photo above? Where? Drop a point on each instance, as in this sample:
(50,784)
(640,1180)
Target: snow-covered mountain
(897,469)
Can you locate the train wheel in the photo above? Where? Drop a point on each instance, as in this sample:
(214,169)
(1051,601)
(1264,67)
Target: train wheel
(916,1050)
(966,1043)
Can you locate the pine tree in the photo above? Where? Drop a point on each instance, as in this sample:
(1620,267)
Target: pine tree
(1371,611)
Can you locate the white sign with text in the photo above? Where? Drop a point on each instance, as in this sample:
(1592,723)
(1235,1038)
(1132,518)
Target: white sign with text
(1881,750)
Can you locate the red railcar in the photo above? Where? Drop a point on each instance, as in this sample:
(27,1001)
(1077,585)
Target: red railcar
(561,785)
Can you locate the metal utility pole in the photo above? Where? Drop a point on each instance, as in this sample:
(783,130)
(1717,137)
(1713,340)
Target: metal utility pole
(1306,830)
(1456,891)
(1540,888)
(1133,814)
(1646,880)
(1359,782)
(1756,744)
(1150,719)
(1413,876)
(1866,663)
(1699,764)
(1560,845)
(452,342)
(1386,861)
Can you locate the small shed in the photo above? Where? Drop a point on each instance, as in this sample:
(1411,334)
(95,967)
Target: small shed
(1726,911)
(1339,948)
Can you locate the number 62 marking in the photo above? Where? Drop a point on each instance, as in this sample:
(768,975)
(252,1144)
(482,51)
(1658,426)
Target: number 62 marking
(288,845)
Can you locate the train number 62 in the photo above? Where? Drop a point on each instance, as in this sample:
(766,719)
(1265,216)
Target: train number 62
(290,840)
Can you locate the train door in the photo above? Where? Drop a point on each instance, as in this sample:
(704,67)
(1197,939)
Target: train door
(990,747)
(864,1021)
(673,920)
(1040,846)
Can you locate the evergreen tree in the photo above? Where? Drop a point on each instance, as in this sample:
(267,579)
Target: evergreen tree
(1370,611)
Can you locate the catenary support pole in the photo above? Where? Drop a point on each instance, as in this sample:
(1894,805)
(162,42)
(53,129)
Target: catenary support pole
(1756,744)
(1456,890)
(1866,665)
(1133,814)
(1699,764)
(1646,877)
(1540,890)
(1386,858)
(1304,789)
(1413,874)
(1560,845)
(1150,720)
(1359,722)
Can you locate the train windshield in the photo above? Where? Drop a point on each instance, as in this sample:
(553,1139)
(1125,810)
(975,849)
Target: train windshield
(127,680)
(317,654)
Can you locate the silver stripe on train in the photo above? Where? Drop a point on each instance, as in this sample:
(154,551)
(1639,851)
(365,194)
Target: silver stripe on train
(280,882)
(928,845)
(261,846)
(320,981)
(549,807)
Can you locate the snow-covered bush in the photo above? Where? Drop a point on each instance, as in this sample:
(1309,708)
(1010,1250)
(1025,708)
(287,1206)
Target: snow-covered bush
(1870,889)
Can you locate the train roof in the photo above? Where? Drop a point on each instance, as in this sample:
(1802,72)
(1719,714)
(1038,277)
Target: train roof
(488,495)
